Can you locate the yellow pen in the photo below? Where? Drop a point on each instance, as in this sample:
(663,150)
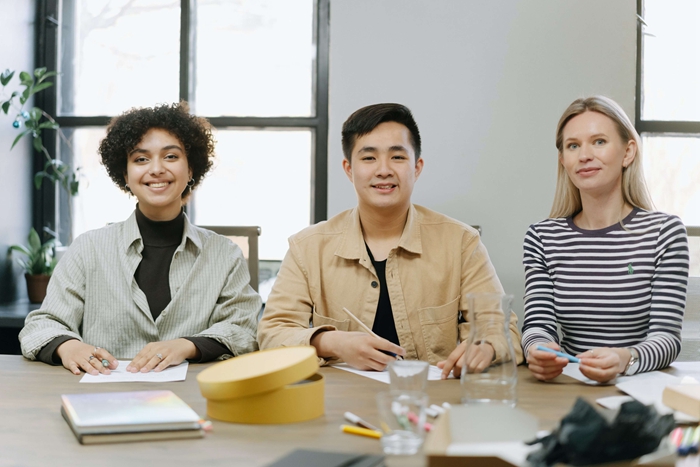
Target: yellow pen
(356,430)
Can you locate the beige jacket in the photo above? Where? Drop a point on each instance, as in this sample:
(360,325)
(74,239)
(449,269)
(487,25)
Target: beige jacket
(437,262)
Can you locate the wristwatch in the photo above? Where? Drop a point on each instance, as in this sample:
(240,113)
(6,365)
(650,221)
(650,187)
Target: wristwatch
(633,365)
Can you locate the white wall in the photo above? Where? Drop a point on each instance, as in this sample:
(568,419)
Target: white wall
(16,53)
(487,83)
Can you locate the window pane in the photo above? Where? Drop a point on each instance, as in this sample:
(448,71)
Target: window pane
(118,54)
(672,169)
(260,178)
(255,58)
(99,201)
(671,60)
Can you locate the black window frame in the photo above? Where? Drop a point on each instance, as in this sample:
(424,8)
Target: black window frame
(44,202)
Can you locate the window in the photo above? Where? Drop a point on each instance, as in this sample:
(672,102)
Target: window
(668,110)
(258,70)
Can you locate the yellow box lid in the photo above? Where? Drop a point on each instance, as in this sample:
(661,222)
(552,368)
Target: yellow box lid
(257,372)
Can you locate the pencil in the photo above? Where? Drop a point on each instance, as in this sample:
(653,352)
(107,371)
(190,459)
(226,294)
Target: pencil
(369,331)
(356,430)
(360,323)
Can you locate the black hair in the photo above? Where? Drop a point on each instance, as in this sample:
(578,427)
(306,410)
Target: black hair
(366,119)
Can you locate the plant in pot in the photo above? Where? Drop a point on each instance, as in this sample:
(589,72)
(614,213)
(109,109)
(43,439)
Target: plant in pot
(38,264)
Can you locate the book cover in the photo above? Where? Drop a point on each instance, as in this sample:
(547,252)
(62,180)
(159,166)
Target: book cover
(128,412)
(684,398)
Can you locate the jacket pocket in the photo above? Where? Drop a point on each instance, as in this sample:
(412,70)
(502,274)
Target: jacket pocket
(318,320)
(440,330)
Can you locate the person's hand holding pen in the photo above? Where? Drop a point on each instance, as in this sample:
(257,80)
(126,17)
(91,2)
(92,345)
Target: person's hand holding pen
(361,350)
(77,356)
(545,365)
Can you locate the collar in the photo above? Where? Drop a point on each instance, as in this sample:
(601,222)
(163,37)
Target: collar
(131,236)
(352,244)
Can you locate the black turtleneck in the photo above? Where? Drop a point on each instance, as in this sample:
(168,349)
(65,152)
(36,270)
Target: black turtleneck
(384,325)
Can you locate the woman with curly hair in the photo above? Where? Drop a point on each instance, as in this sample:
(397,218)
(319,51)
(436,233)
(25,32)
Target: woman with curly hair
(153,289)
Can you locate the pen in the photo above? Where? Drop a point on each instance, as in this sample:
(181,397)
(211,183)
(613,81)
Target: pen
(355,430)
(437,408)
(684,448)
(352,418)
(571,358)
(369,331)
(694,445)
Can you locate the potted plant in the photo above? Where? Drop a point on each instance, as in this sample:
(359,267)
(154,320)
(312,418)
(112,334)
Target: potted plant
(38,264)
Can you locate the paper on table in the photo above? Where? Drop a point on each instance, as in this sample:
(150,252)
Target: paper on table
(573,371)
(514,452)
(650,391)
(120,375)
(434,373)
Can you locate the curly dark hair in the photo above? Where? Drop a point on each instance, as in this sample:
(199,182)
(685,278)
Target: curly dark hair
(126,131)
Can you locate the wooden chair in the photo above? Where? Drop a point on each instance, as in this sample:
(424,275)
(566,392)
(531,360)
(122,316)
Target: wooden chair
(246,237)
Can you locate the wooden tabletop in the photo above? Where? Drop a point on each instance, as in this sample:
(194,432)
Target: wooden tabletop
(33,433)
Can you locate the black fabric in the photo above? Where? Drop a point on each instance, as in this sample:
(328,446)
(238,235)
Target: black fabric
(160,240)
(47,354)
(384,325)
(209,349)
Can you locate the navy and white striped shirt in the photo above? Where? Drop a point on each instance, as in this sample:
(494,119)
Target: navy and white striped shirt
(613,287)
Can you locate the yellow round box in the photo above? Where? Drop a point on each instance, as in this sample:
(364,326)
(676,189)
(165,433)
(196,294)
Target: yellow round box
(271,386)
(257,372)
(293,403)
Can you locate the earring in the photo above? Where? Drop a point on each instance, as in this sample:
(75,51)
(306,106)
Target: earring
(126,185)
(191,182)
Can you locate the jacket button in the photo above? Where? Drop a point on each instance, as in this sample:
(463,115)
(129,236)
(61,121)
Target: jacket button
(375,284)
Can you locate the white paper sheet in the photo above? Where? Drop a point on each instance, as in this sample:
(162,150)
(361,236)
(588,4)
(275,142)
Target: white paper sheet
(120,375)
(434,373)
(573,371)
(650,391)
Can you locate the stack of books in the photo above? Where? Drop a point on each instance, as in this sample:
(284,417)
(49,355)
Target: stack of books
(116,417)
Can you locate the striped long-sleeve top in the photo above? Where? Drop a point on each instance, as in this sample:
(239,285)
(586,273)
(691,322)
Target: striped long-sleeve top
(613,287)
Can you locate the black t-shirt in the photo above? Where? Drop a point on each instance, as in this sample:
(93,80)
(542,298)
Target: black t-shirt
(384,325)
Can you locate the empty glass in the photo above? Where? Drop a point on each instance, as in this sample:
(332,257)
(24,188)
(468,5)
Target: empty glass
(408,375)
(494,381)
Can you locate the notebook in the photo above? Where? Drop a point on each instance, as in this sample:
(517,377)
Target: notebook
(129,416)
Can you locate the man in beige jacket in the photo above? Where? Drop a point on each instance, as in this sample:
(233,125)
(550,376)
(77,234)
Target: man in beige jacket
(402,269)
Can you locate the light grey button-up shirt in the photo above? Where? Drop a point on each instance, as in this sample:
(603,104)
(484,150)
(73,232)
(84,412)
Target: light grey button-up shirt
(94,297)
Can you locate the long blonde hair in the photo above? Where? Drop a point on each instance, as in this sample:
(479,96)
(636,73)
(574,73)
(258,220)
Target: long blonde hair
(567,198)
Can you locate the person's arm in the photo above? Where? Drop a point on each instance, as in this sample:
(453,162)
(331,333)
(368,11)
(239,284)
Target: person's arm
(289,308)
(539,321)
(61,313)
(668,292)
(235,316)
(479,276)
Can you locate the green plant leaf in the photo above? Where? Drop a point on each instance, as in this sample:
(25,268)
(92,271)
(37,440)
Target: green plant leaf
(34,241)
(47,75)
(39,72)
(21,248)
(25,78)
(6,106)
(49,125)
(35,113)
(38,145)
(38,178)
(6,76)
(18,138)
(40,87)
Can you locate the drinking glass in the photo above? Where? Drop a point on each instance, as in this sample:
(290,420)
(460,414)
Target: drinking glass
(489,317)
(402,419)
(408,375)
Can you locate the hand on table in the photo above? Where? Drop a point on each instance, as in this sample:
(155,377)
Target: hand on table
(76,356)
(478,358)
(358,349)
(158,356)
(544,365)
(603,364)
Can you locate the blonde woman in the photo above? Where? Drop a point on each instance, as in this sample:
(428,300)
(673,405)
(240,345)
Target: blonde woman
(605,272)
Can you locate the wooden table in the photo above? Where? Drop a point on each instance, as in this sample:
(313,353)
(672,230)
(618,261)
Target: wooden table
(33,433)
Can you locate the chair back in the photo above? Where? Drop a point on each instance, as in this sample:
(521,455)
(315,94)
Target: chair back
(246,237)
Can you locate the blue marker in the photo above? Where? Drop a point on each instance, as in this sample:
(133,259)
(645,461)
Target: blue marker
(570,358)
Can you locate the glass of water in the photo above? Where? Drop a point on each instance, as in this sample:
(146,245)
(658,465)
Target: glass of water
(495,381)
(402,419)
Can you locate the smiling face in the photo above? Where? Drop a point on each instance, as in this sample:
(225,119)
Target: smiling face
(384,168)
(157,173)
(594,154)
